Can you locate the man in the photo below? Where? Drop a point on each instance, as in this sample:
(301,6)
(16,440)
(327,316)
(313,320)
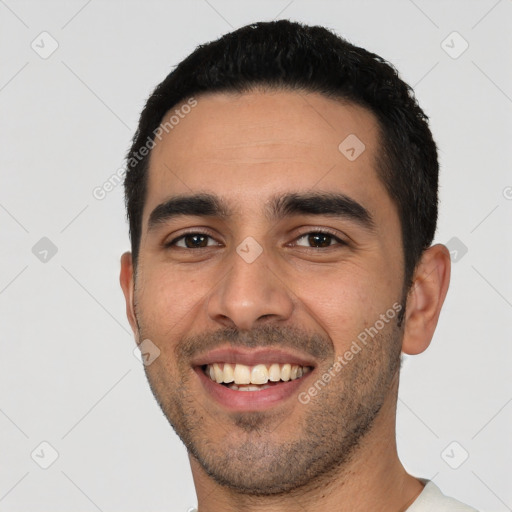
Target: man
(282,200)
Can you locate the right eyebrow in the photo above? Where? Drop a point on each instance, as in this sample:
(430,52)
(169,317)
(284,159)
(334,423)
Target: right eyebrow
(203,205)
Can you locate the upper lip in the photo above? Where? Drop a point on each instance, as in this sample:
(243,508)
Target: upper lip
(250,357)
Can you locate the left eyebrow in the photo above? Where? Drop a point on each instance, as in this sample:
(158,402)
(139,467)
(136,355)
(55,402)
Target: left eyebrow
(320,203)
(280,206)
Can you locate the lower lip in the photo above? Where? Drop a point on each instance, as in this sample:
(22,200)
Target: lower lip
(250,400)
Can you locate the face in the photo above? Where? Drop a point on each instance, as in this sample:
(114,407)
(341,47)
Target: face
(289,261)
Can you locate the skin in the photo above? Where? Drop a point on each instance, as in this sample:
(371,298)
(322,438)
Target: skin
(338,452)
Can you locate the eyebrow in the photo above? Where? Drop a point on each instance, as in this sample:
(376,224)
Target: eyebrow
(280,206)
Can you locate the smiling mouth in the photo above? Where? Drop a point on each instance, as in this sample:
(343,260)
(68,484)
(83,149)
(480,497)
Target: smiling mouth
(240,377)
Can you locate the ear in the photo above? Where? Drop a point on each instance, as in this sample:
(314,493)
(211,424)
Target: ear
(425,298)
(127,284)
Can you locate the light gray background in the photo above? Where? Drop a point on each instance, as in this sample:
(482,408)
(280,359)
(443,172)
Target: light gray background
(68,375)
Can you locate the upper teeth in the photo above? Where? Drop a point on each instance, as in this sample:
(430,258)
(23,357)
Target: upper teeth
(259,374)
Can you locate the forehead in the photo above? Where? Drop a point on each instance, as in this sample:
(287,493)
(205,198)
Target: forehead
(248,147)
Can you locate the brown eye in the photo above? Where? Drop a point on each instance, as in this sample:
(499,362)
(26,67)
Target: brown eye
(319,239)
(191,241)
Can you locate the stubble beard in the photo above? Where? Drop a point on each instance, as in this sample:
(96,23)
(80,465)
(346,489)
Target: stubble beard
(252,453)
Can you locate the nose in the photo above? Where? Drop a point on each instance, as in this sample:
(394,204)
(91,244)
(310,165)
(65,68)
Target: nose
(251,293)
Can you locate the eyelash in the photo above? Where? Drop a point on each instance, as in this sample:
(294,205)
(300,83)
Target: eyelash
(340,242)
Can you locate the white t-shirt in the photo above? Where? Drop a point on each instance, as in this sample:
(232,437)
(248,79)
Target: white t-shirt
(432,499)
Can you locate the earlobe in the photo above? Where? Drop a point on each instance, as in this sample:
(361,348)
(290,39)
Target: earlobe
(425,298)
(127,285)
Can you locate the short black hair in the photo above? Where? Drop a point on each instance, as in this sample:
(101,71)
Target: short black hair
(292,56)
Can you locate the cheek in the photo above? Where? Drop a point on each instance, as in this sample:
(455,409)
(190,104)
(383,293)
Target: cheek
(344,301)
(167,298)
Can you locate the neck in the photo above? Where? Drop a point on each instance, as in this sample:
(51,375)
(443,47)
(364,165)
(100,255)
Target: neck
(373,479)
